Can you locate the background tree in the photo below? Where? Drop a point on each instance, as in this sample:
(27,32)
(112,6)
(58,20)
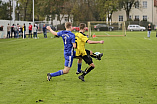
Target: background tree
(5,10)
(106,8)
(126,5)
(81,10)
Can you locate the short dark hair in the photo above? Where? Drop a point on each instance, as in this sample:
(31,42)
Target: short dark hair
(82,25)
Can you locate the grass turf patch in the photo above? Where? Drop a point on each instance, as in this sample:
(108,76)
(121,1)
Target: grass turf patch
(126,74)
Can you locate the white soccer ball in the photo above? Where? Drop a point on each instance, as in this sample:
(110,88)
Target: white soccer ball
(97,53)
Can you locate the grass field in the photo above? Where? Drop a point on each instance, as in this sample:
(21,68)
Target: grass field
(127,73)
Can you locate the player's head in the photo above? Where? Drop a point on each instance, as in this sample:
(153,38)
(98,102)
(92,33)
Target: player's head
(82,26)
(68,25)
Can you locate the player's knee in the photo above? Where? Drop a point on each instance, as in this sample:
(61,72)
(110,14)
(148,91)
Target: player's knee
(92,64)
(91,52)
(66,71)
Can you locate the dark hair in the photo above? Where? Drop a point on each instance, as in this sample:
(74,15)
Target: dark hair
(82,25)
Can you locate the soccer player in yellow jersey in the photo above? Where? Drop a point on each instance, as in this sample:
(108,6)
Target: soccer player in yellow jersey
(81,39)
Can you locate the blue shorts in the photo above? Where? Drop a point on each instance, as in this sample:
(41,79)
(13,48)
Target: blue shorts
(68,61)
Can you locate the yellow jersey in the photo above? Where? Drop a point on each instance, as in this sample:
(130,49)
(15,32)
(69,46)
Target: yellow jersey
(80,40)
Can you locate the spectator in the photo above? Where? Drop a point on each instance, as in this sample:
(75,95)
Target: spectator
(12,30)
(20,30)
(37,29)
(15,31)
(44,31)
(34,29)
(30,30)
(24,30)
(149,30)
(8,30)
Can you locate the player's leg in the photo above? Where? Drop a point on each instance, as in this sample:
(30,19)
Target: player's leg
(58,73)
(89,61)
(67,66)
(93,55)
(79,63)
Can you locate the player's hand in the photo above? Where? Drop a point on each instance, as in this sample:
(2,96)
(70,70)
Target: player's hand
(48,27)
(101,42)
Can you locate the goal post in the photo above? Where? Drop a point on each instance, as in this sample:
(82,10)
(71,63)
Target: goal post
(106,29)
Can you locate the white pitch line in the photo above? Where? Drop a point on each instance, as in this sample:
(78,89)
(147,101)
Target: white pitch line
(147,38)
(106,33)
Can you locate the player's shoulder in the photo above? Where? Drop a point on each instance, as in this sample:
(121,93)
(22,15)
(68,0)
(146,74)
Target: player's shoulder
(78,34)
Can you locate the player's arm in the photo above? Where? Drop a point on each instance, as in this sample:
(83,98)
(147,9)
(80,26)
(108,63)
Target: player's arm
(53,32)
(95,42)
(74,45)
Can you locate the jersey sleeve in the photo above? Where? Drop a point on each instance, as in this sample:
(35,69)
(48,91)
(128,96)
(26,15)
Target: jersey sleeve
(59,33)
(73,38)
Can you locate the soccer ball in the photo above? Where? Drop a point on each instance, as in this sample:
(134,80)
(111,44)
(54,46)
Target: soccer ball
(97,53)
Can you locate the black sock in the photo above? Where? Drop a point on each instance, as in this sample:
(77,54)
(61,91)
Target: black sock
(87,70)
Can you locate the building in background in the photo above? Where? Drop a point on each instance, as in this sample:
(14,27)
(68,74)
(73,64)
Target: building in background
(58,20)
(145,10)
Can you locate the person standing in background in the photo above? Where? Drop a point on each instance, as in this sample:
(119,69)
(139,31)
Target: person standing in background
(149,30)
(17,32)
(24,30)
(8,30)
(12,30)
(44,31)
(34,30)
(30,30)
(37,29)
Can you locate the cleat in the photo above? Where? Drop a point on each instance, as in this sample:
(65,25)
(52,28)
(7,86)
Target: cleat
(99,56)
(82,78)
(48,76)
(80,72)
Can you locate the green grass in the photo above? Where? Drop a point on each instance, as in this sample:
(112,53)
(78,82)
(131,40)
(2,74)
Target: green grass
(127,73)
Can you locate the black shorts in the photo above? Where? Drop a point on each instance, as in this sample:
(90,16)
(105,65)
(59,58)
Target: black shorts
(87,59)
(87,51)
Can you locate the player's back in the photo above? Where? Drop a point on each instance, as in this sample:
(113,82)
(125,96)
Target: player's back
(80,39)
(68,38)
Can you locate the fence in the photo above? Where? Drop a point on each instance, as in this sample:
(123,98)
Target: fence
(4,23)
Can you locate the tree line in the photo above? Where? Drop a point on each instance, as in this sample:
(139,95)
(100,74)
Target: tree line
(79,10)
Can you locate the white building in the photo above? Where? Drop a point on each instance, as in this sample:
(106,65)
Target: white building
(146,10)
(63,19)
